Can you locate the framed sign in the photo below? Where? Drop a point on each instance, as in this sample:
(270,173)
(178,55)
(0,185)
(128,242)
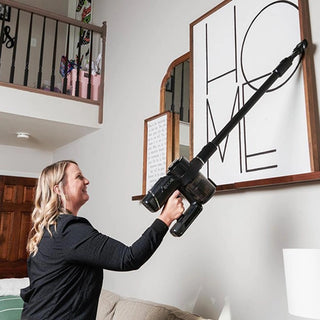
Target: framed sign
(234,49)
(157,153)
(7,14)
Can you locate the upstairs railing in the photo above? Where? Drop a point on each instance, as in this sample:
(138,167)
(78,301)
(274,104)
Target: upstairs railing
(44,52)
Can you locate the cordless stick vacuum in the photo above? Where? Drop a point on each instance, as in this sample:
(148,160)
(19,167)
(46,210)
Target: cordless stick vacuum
(186,177)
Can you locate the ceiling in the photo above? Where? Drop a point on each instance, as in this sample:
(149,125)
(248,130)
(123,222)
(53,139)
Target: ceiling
(44,134)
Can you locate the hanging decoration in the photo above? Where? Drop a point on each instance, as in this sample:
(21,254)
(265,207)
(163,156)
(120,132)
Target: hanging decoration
(84,8)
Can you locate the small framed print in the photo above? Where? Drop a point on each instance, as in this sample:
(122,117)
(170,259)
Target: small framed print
(157,148)
(5,12)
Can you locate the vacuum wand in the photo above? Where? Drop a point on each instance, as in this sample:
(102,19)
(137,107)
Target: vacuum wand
(283,66)
(186,177)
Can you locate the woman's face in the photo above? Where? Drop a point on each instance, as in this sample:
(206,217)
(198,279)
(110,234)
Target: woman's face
(75,188)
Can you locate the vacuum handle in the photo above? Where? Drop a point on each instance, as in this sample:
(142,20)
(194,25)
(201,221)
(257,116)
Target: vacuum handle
(185,220)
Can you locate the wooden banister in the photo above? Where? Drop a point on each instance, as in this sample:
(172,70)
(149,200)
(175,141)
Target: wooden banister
(52,15)
(99,31)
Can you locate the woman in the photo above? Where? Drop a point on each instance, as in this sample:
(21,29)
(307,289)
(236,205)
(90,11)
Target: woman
(67,255)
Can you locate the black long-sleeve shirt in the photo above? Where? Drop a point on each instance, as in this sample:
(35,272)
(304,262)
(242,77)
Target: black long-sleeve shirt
(66,273)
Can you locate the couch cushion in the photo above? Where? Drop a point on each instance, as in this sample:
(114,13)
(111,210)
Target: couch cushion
(113,307)
(131,309)
(106,306)
(10,307)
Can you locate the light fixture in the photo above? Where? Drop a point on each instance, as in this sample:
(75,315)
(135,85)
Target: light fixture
(23,135)
(302,274)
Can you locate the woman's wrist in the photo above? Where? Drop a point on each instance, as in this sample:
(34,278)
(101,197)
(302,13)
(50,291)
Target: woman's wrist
(166,220)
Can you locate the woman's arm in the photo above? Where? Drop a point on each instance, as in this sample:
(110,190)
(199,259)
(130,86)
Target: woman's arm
(84,244)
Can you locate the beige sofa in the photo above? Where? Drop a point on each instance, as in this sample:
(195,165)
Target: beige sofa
(114,307)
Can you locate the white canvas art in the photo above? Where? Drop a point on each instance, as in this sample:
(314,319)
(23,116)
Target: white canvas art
(234,50)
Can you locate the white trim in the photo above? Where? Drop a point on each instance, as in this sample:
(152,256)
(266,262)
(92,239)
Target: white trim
(6,299)
(19,174)
(10,309)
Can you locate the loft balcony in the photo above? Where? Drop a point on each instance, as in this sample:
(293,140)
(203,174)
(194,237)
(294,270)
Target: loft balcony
(45,87)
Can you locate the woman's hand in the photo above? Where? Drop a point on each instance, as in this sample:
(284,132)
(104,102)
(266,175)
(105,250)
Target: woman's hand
(172,209)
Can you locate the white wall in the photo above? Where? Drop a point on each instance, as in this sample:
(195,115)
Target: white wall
(23,162)
(232,254)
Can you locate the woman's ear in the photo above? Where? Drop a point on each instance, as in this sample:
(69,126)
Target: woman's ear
(56,189)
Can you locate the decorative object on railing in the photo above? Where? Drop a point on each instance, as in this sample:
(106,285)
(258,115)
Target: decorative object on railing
(33,42)
(7,39)
(6,13)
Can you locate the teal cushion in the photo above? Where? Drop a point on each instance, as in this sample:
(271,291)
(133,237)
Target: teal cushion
(10,307)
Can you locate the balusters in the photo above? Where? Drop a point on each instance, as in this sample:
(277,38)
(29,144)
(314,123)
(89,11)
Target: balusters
(54,55)
(78,62)
(33,64)
(90,67)
(41,53)
(64,89)
(2,31)
(13,60)
(26,70)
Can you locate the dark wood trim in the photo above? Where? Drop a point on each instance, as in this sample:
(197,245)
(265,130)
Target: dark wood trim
(285,181)
(277,181)
(310,89)
(13,269)
(166,77)
(137,198)
(216,8)
(52,15)
(48,93)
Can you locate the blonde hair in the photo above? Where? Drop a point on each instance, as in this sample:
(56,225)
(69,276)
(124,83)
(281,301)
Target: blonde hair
(48,203)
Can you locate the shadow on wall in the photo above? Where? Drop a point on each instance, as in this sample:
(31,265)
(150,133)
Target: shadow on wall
(211,308)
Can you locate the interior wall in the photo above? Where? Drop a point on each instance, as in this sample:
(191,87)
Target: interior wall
(231,257)
(23,162)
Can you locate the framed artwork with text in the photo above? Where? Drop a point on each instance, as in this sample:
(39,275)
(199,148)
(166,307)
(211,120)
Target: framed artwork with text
(234,49)
(157,153)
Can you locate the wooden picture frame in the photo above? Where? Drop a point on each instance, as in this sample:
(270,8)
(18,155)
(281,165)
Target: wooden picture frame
(310,101)
(158,148)
(8,12)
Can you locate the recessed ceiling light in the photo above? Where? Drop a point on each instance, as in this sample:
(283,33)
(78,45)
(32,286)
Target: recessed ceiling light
(23,135)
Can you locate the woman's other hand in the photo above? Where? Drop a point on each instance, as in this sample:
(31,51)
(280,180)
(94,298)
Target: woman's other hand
(173,208)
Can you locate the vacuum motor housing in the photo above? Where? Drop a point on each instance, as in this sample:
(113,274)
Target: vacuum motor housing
(196,189)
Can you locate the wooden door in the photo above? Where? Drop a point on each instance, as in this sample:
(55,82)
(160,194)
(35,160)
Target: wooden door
(16,205)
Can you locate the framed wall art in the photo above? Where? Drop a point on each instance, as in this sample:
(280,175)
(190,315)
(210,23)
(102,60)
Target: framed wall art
(157,153)
(234,49)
